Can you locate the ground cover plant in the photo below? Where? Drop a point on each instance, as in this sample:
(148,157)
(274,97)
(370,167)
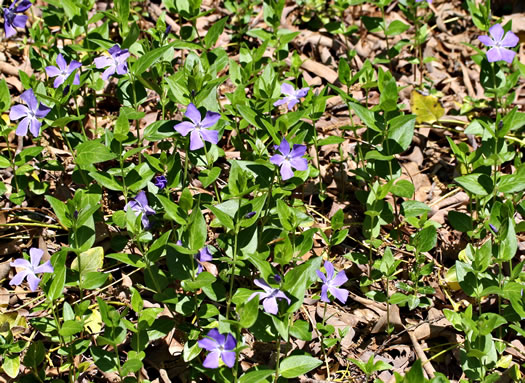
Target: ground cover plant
(262,191)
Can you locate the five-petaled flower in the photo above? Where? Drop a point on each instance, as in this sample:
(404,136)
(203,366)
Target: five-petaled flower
(203,255)
(161,182)
(292,96)
(499,42)
(289,159)
(220,346)
(29,114)
(199,127)
(331,284)
(269,296)
(11,19)
(30,269)
(140,205)
(63,71)
(116,62)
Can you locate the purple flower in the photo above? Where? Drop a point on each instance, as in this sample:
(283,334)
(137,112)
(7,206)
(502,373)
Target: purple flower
(197,127)
(114,63)
(289,159)
(11,19)
(498,43)
(29,114)
(30,269)
(494,229)
(161,182)
(204,255)
(331,284)
(220,346)
(292,96)
(428,1)
(140,205)
(63,71)
(269,296)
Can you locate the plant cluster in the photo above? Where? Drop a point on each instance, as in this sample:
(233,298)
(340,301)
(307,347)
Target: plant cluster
(199,226)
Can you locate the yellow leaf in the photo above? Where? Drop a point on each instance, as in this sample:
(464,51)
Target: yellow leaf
(94,322)
(11,319)
(426,108)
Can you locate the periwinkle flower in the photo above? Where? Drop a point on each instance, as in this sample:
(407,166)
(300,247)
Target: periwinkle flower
(499,41)
(203,255)
(140,205)
(428,1)
(269,296)
(289,159)
(220,347)
(11,19)
(116,62)
(161,182)
(198,128)
(29,114)
(292,96)
(62,71)
(331,284)
(30,269)
(494,229)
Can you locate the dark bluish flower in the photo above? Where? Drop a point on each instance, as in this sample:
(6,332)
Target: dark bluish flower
(11,19)
(250,214)
(494,229)
(161,182)
(30,269)
(277,278)
(289,159)
(499,41)
(220,347)
(331,283)
(198,127)
(203,255)
(269,296)
(116,62)
(167,31)
(29,114)
(292,96)
(63,71)
(140,205)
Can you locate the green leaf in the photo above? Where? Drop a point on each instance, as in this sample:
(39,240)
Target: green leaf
(60,209)
(400,133)
(414,208)
(203,279)
(106,180)
(92,152)
(121,128)
(249,312)
(35,354)
(214,32)
(147,60)
(460,221)
(403,188)
(137,304)
(131,365)
(426,239)
(70,8)
(512,183)
(70,327)
(11,365)
(5,97)
(59,276)
(286,215)
(258,376)
(301,330)
(366,116)
(173,211)
(223,218)
(509,245)
(396,27)
(197,230)
(298,365)
(477,184)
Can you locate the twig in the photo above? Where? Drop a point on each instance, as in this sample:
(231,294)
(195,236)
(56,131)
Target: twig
(421,355)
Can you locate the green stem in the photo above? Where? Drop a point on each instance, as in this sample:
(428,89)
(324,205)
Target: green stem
(235,240)
(323,348)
